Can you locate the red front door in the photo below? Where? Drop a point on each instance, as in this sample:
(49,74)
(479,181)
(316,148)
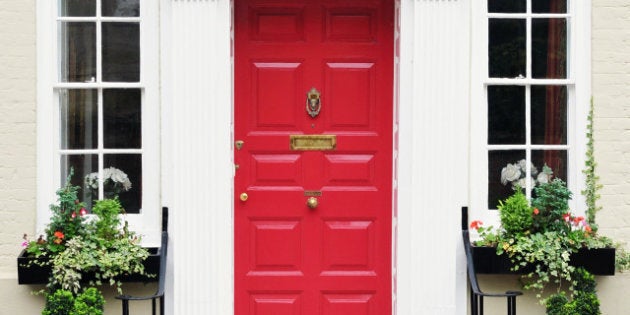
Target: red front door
(332,254)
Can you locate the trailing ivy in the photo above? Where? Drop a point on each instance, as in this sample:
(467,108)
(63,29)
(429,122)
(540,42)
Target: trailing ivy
(592,185)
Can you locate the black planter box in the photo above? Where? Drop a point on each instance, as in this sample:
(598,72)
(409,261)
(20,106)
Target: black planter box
(30,273)
(598,261)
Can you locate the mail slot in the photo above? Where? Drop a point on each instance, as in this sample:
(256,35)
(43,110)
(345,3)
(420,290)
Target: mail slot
(313,142)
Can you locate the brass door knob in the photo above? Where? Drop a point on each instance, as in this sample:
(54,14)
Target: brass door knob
(244,197)
(312,202)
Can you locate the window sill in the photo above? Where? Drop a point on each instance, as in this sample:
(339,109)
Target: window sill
(598,261)
(29,273)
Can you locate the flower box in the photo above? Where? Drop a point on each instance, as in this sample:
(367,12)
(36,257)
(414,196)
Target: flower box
(598,261)
(30,273)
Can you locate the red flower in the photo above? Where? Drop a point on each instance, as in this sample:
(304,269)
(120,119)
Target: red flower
(566,217)
(82,212)
(536,211)
(476,224)
(578,220)
(588,229)
(74,215)
(59,235)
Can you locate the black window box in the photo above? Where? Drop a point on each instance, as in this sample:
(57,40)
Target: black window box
(30,273)
(598,261)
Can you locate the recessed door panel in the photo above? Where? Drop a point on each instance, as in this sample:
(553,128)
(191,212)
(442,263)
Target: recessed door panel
(313,130)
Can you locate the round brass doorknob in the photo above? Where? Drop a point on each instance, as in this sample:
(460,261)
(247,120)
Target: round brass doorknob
(312,202)
(244,197)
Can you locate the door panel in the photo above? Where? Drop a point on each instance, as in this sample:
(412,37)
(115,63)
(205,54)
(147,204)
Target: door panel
(335,258)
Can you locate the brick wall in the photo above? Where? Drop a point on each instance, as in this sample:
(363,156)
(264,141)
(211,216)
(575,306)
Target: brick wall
(17,128)
(611,94)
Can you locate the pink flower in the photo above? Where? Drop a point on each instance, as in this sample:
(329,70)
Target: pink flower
(476,224)
(25,244)
(82,212)
(74,215)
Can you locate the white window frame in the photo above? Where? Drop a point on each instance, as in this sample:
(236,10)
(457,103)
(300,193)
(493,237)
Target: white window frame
(147,222)
(578,92)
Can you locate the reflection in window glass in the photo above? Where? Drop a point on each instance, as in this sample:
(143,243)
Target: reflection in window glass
(506,50)
(121,52)
(120,7)
(77,51)
(549,114)
(506,115)
(509,6)
(128,188)
(549,48)
(82,166)
(548,6)
(505,171)
(77,7)
(122,118)
(78,119)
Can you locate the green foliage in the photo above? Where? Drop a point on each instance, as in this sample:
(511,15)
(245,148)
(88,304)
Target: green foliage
(552,201)
(61,302)
(107,225)
(622,259)
(592,180)
(107,251)
(516,214)
(90,302)
(584,302)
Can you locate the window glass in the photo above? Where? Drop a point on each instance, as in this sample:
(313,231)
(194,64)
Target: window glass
(549,6)
(82,165)
(122,175)
(506,6)
(506,115)
(549,48)
(78,51)
(556,160)
(78,119)
(549,114)
(77,7)
(120,7)
(122,118)
(506,53)
(506,171)
(121,52)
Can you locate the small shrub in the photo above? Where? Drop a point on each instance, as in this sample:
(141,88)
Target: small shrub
(90,302)
(555,304)
(61,302)
(516,214)
(552,201)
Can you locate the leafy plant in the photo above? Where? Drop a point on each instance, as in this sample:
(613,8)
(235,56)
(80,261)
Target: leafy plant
(90,302)
(552,201)
(592,180)
(61,302)
(584,302)
(516,214)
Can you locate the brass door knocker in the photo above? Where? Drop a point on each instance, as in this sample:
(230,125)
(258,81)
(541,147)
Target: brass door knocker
(313,103)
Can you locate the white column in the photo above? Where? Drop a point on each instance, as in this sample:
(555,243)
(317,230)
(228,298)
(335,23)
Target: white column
(198,170)
(433,158)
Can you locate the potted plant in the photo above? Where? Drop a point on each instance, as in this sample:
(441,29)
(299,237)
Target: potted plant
(76,250)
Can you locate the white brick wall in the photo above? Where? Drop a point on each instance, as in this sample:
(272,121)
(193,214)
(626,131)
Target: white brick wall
(17,128)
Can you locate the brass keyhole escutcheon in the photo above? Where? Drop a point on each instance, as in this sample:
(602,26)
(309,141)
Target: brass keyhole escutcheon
(244,197)
(312,202)
(238,144)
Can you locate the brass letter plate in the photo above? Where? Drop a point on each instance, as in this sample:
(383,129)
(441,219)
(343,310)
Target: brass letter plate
(313,142)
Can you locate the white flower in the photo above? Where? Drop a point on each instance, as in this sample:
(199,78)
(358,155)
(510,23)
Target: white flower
(542,178)
(510,173)
(520,183)
(111,175)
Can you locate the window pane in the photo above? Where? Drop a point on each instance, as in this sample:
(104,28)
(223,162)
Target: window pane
(79,119)
(129,188)
(82,166)
(554,159)
(500,181)
(549,48)
(121,52)
(77,7)
(122,118)
(120,7)
(549,114)
(549,6)
(506,115)
(506,50)
(503,6)
(77,52)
